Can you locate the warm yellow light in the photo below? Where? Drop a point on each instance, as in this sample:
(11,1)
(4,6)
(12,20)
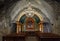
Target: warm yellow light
(36,13)
(41,27)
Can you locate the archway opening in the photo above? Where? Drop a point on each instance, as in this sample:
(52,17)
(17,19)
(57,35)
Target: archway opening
(29,24)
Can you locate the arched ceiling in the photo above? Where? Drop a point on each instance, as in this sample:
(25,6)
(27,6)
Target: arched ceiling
(28,11)
(45,8)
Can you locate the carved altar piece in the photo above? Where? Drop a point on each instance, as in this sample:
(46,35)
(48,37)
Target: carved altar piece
(41,26)
(18,27)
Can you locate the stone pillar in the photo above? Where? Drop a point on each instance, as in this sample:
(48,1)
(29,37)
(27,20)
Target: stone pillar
(14,25)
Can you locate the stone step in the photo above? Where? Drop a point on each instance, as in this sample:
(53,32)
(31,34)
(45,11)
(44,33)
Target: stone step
(31,38)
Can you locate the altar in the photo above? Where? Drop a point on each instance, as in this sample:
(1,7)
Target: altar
(27,36)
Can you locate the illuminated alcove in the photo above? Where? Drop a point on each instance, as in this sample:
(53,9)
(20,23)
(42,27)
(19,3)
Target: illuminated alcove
(40,20)
(29,11)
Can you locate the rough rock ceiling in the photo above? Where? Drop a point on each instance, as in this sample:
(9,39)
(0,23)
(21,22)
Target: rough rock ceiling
(7,2)
(53,0)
